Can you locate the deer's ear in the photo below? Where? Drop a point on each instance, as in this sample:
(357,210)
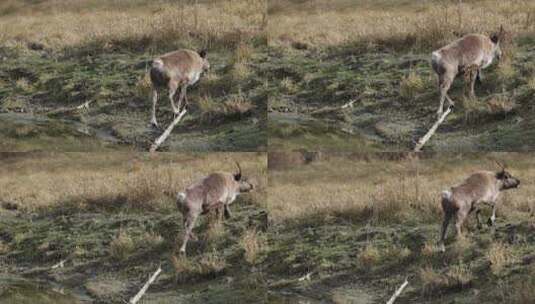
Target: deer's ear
(494,38)
(202,53)
(237,177)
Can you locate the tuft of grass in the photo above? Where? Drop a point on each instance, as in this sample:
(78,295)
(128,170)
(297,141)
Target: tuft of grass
(182,267)
(4,247)
(499,257)
(432,280)
(143,87)
(23,84)
(234,106)
(459,275)
(212,264)
(237,105)
(253,244)
(289,86)
(429,250)
(411,85)
(243,52)
(215,230)
(369,256)
(501,105)
(122,246)
(506,72)
(152,240)
(240,71)
(531,83)
(461,247)
(209,265)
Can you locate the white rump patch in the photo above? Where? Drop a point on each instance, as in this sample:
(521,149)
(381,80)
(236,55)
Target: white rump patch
(446,194)
(181,197)
(157,63)
(436,56)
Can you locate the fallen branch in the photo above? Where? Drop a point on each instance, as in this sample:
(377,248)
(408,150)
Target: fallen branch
(333,109)
(427,136)
(83,106)
(167,131)
(306,277)
(398,292)
(349,104)
(142,291)
(60,264)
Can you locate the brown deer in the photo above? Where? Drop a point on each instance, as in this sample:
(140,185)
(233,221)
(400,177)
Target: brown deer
(214,192)
(483,187)
(452,59)
(178,69)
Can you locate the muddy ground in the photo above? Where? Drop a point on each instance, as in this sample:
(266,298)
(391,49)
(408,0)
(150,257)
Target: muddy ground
(308,85)
(37,84)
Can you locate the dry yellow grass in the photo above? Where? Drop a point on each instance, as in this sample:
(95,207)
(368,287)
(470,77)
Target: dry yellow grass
(209,264)
(382,191)
(411,85)
(253,244)
(499,257)
(111,180)
(234,105)
(369,256)
(122,246)
(59,24)
(432,280)
(392,23)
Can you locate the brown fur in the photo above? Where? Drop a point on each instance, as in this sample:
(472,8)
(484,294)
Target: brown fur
(452,59)
(174,70)
(482,187)
(214,192)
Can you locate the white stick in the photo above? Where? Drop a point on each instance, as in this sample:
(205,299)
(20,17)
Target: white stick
(60,264)
(398,292)
(306,277)
(167,131)
(83,106)
(427,136)
(349,104)
(142,291)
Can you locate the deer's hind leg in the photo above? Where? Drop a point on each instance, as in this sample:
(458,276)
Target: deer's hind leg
(445,223)
(471,74)
(189,223)
(444,83)
(153,120)
(173,86)
(183,99)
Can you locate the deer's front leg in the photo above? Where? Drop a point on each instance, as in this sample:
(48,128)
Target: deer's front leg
(492,218)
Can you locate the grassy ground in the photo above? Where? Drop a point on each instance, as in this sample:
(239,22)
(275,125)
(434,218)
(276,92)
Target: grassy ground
(356,224)
(65,54)
(362,223)
(108,216)
(327,53)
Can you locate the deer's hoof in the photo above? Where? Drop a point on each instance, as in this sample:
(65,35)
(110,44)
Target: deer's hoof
(490,222)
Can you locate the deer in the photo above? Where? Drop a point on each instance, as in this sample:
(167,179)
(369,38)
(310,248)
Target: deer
(482,187)
(216,191)
(452,59)
(178,69)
